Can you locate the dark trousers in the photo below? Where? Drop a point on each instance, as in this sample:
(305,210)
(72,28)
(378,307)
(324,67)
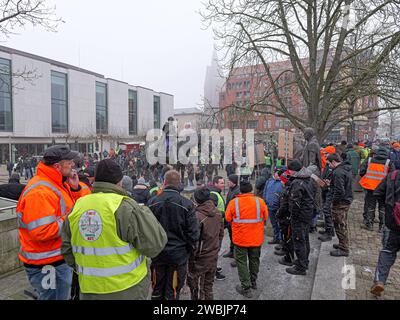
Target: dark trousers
(274,223)
(167,281)
(301,243)
(75,290)
(248,271)
(287,246)
(201,280)
(326,210)
(340,212)
(370,203)
(228,226)
(387,256)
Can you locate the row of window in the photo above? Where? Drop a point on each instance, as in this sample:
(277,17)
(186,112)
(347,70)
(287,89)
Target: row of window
(239,85)
(59,99)
(253,124)
(59,103)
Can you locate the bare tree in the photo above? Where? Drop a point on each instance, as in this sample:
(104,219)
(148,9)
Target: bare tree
(390,124)
(17,14)
(339,51)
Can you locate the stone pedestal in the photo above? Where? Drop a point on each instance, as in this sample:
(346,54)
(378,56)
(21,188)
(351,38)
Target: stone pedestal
(9,242)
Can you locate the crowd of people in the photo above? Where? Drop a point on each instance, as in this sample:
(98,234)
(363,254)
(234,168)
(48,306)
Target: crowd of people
(77,214)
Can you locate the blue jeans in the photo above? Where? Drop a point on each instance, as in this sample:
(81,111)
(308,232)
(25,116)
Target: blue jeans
(51,283)
(387,256)
(275,225)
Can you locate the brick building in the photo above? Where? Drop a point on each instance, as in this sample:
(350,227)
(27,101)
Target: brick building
(249,85)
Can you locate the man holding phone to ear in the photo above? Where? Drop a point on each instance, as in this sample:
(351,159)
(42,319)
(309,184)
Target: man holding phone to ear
(42,208)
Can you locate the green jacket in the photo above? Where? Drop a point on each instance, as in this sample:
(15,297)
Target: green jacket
(136,225)
(354,158)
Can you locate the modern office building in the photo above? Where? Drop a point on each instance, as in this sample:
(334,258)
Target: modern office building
(44,102)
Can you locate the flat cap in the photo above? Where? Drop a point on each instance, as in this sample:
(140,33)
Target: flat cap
(58,153)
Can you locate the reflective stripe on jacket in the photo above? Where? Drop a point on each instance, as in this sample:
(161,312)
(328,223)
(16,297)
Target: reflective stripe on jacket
(105,264)
(41,211)
(375,174)
(247,214)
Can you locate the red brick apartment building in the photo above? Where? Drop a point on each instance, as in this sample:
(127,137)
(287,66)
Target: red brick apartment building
(248,85)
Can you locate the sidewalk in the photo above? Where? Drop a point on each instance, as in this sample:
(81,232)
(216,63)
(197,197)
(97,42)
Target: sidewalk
(365,247)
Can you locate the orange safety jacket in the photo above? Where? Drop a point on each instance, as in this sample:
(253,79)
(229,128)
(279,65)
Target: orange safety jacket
(247,214)
(375,174)
(323,159)
(41,211)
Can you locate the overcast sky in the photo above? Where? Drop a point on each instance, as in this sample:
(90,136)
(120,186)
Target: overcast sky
(157,44)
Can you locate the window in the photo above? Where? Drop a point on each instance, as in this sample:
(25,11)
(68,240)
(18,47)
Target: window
(59,102)
(101,108)
(157,114)
(288,103)
(6,119)
(132,105)
(235,124)
(252,124)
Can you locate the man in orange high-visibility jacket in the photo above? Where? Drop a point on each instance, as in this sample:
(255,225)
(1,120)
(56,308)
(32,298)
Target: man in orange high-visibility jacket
(373,172)
(42,208)
(247,213)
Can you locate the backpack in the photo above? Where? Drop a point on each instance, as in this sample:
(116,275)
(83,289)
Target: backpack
(396,208)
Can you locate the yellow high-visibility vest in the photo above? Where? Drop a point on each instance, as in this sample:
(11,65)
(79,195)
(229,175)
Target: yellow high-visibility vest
(105,263)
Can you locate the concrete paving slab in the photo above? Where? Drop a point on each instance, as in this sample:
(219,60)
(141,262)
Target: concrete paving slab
(328,276)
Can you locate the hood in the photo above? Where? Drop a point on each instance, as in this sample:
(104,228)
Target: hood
(106,187)
(346,165)
(214,189)
(140,187)
(304,173)
(381,157)
(260,182)
(207,208)
(140,191)
(314,170)
(266,172)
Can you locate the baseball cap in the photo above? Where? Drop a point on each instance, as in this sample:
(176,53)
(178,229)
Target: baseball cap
(58,153)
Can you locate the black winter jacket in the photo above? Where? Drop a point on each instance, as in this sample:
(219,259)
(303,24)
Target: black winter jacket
(232,193)
(341,184)
(283,214)
(260,184)
(11,190)
(302,196)
(389,191)
(177,216)
(141,196)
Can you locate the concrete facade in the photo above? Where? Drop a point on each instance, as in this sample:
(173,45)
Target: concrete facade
(189,116)
(32,108)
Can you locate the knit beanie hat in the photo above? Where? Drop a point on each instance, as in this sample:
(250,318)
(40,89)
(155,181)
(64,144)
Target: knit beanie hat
(202,195)
(127,183)
(108,171)
(233,178)
(295,165)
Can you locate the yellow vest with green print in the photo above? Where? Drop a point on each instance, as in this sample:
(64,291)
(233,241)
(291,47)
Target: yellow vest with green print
(220,205)
(105,263)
